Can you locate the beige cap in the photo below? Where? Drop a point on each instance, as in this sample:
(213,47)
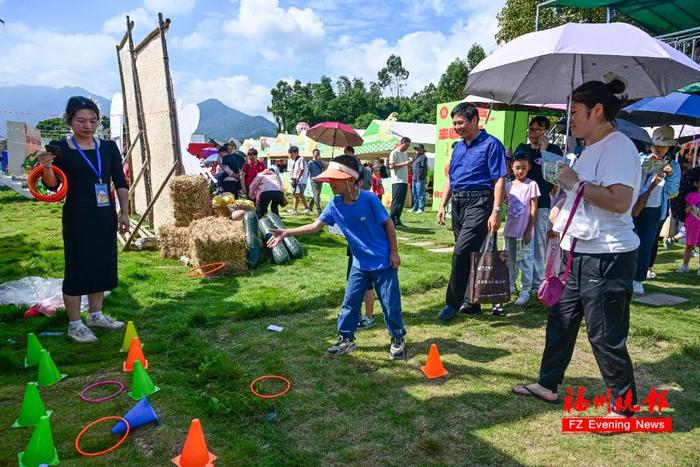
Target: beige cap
(663,136)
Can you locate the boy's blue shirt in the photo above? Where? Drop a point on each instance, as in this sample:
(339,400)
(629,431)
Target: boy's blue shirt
(362,223)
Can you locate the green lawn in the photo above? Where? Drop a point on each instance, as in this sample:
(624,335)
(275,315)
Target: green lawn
(206,340)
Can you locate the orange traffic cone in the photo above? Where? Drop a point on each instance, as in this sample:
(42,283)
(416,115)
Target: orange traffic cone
(135,353)
(433,367)
(195,452)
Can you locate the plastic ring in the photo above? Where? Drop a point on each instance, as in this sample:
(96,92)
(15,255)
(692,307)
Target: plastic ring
(270,396)
(90,425)
(120,388)
(36,173)
(214,268)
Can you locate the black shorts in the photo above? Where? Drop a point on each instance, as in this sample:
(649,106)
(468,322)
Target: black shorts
(347,274)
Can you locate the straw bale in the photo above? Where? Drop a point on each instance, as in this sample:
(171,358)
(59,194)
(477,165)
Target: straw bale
(242,205)
(173,242)
(215,239)
(191,199)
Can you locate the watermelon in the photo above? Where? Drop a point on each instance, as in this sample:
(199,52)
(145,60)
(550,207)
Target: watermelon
(292,244)
(252,238)
(279,253)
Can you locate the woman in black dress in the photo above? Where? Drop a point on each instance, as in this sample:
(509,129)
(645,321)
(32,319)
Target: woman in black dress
(90,221)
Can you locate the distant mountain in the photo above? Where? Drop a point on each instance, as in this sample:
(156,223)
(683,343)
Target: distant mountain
(39,103)
(36,103)
(221,122)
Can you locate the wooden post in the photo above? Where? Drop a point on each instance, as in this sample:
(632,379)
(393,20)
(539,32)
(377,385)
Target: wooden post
(150,207)
(174,128)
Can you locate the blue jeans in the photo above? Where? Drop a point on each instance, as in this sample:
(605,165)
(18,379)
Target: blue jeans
(646,226)
(418,194)
(386,286)
(525,265)
(539,237)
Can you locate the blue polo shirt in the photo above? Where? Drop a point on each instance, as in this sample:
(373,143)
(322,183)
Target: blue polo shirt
(362,223)
(475,167)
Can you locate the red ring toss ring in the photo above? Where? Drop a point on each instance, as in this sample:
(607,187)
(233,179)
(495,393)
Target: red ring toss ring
(93,423)
(214,267)
(35,175)
(270,396)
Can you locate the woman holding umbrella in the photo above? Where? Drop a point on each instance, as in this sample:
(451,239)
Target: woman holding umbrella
(599,286)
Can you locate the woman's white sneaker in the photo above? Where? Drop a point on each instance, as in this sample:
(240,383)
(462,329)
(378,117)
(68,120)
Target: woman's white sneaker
(82,334)
(523,298)
(684,269)
(98,320)
(637,288)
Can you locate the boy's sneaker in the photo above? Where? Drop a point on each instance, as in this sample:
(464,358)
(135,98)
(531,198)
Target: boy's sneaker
(684,269)
(498,310)
(82,334)
(342,346)
(397,349)
(420,211)
(367,322)
(523,298)
(307,211)
(291,211)
(651,275)
(103,321)
(447,313)
(637,288)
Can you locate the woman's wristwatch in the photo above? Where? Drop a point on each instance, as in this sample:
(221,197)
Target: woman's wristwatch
(498,209)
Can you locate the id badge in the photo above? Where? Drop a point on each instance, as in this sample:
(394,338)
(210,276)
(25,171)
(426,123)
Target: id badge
(102,195)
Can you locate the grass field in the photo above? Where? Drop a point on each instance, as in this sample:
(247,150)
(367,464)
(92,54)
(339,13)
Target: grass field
(206,341)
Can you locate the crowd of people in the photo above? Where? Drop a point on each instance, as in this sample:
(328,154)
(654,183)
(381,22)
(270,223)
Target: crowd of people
(612,200)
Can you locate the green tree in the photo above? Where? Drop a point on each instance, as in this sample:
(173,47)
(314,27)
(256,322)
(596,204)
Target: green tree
(364,120)
(54,125)
(475,55)
(451,84)
(518,17)
(393,76)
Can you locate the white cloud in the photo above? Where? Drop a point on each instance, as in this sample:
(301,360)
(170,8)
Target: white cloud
(141,18)
(235,91)
(170,7)
(193,41)
(276,32)
(35,56)
(425,54)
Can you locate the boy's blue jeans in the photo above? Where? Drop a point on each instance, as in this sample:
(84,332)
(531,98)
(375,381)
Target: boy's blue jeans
(418,194)
(386,286)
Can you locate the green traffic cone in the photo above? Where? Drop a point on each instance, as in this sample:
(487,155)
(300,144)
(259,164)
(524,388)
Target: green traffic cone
(40,449)
(48,373)
(32,408)
(33,349)
(142,385)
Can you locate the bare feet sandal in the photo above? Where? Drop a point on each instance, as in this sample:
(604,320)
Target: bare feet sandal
(527,392)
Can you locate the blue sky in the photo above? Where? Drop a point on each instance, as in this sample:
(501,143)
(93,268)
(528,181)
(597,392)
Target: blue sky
(236,51)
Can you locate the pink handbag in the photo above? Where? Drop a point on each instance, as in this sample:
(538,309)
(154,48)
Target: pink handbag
(552,286)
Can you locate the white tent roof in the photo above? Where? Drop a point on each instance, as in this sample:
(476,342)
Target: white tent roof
(423,133)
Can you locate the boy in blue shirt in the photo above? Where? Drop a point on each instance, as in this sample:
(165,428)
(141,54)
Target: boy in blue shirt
(372,239)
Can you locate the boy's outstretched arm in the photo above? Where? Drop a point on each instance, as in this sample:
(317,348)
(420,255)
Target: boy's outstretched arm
(394,258)
(308,229)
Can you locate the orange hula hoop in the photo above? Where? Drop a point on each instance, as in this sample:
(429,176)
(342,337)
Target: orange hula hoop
(215,267)
(270,396)
(36,173)
(90,425)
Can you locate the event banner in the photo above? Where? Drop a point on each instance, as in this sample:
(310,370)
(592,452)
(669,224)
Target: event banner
(509,127)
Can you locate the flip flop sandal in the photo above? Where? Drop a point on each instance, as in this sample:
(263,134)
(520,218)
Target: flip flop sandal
(533,394)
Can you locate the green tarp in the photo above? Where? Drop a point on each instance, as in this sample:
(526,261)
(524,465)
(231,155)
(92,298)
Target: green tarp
(657,16)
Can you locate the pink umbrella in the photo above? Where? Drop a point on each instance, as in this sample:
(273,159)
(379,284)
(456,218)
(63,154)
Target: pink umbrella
(334,134)
(206,152)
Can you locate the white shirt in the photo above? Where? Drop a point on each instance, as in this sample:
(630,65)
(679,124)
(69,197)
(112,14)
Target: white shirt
(299,168)
(400,174)
(614,160)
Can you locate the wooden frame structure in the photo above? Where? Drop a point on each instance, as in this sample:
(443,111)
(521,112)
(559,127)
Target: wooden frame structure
(145,173)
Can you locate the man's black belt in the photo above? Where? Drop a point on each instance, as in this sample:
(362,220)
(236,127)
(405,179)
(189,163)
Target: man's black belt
(471,193)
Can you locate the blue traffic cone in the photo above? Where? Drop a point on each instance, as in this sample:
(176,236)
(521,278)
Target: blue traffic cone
(140,414)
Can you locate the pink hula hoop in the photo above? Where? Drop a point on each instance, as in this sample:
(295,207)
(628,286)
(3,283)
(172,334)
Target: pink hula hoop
(120,389)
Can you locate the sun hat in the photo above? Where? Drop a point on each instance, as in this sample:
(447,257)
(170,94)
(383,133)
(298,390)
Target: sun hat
(663,136)
(339,168)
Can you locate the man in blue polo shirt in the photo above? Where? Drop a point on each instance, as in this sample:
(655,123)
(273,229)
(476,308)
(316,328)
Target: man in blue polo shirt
(476,178)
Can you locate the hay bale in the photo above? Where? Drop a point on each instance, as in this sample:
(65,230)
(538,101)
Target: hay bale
(173,242)
(242,205)
(191,199)
(215,239)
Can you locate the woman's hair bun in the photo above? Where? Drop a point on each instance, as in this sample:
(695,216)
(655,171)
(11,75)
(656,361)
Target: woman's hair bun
(615,83)
(616,86)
